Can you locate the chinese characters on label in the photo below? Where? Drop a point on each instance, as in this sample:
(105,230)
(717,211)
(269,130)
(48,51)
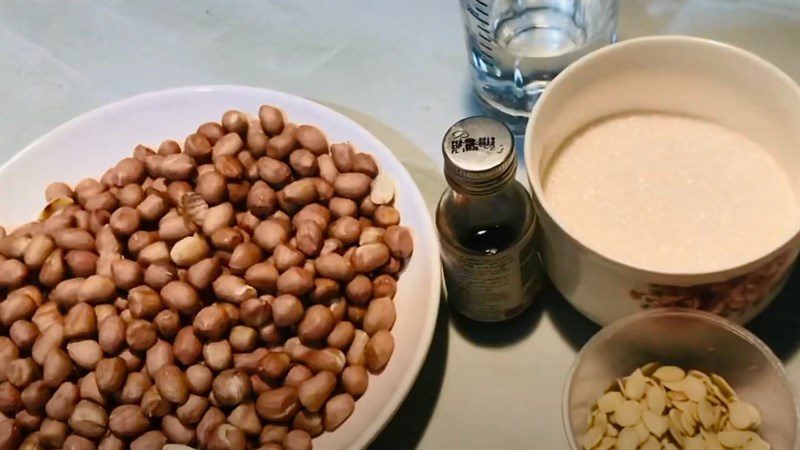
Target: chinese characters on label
(462,142)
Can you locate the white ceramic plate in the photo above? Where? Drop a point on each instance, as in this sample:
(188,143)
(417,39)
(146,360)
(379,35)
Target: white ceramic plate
(88,145)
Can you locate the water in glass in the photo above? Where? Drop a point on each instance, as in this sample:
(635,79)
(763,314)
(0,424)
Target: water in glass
(516,47)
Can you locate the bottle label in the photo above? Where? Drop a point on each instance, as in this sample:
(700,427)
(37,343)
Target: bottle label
(493,287)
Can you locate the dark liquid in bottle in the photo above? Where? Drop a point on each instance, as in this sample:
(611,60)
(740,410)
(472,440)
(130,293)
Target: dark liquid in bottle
(489,240)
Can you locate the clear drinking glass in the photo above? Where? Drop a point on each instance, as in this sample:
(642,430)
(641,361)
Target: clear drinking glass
(516,47)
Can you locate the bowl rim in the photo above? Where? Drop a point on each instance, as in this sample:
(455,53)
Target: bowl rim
(622,46)
(708,318)
(432,254)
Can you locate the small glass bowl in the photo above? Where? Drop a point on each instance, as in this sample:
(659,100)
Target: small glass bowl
(692,340)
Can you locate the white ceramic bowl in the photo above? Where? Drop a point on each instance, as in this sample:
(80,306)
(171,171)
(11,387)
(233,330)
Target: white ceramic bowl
(679,75)
(88,145)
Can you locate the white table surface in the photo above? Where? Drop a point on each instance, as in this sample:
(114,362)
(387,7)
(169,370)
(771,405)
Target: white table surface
(400,69)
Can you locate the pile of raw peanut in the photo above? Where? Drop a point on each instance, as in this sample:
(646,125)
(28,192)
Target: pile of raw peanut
(231,294)
(667,408)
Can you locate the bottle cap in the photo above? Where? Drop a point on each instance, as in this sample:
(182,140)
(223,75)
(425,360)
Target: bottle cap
(478,155)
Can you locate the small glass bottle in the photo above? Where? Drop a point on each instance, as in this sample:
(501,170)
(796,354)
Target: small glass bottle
(486,224)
